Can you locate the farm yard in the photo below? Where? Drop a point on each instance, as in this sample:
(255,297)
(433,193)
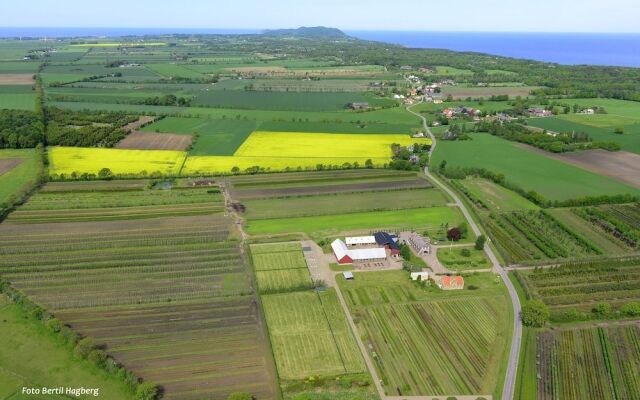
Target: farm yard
(403,327)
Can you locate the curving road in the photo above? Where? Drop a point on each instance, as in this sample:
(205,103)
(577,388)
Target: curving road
(512,368)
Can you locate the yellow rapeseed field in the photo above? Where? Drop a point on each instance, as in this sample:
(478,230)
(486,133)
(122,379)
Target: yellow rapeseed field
(224,164)
(91,160)
(277,151)
(321,145)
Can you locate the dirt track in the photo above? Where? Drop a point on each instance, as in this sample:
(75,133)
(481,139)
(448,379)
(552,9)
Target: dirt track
(16,79)
(154,141)
(8,164)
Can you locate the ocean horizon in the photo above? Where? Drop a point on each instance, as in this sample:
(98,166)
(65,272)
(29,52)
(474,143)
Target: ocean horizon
(606,49)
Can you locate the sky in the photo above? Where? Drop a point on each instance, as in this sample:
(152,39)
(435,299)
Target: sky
(407,15)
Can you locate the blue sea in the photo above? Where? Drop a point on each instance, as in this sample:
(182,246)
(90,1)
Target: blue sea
(562,48)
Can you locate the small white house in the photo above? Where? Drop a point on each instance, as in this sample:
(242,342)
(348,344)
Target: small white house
(419,276)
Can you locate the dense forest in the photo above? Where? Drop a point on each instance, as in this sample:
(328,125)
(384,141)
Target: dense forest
(20,129)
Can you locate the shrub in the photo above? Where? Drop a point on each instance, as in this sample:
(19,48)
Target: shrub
(97,357)
(146,391)
(602,309)
(465,253)
(54,325)
(480,241)
(631,309)
(84,347)
(535,314)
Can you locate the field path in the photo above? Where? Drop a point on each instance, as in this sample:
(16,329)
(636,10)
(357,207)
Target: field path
(512,368)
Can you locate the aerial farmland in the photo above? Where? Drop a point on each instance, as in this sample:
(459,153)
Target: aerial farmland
(296,216)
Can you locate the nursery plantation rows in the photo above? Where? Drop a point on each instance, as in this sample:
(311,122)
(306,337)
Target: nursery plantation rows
(583,363)
(155,276)
(421,342)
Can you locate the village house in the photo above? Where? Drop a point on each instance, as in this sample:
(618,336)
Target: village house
(539,112)
(420,276)
(446,282)
(360,106)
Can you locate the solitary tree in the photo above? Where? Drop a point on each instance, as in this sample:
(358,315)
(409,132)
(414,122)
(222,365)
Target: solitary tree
(535,314)
(480,241)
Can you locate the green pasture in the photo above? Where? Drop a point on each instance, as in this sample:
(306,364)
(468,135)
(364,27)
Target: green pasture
(496,197)
(17,101)
(333,127)
(31,356)
(454,258)
(553,179)
(598,127)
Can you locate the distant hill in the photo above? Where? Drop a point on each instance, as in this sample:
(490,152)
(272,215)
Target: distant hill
(309,32)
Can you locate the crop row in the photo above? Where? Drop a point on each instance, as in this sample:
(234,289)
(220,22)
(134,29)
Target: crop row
(590,363)
(620,221)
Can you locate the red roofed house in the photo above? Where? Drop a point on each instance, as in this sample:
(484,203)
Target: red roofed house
(445,282)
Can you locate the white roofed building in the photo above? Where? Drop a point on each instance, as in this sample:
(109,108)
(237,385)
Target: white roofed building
(344,255)
(360,240)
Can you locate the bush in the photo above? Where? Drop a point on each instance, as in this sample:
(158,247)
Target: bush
(480,241)
(54,325)
(602,309)
(465,253)
(146,391)
(84,347)
(97,357)
(535,314)
(631,309)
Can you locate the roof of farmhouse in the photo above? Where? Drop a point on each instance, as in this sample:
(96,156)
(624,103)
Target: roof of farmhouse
(341,250)
(360,240)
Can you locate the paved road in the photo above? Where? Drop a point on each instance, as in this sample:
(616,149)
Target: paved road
(512,368)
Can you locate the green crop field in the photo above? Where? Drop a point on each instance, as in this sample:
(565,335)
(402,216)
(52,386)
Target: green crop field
(280,268)
(336,127)
(444,70)
(552,179)
(456,340)
(589,363)
(216,137)
(22,173)
(342,203)
(295,101)
(174,70)
(310,335)
(31,356)
(421,218)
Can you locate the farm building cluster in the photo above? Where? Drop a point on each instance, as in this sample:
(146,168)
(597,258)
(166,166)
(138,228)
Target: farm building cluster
(377,247)
(462,112)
